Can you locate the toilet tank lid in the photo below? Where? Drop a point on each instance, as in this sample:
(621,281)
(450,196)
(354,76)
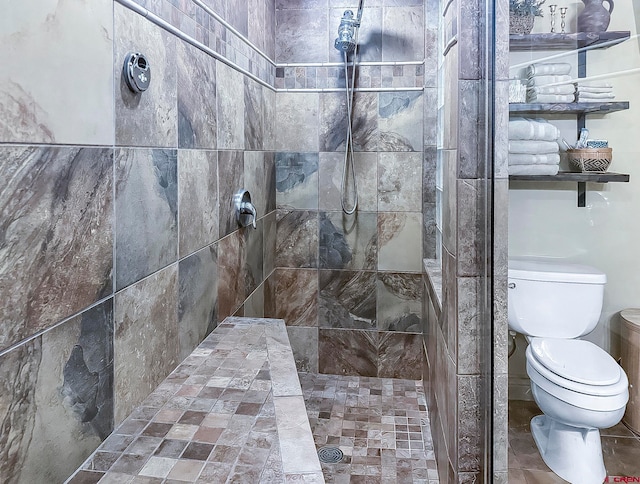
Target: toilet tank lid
(553,271)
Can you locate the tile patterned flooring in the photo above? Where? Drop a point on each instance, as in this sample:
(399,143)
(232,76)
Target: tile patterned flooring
(620,447)
(380,424)
(230,412)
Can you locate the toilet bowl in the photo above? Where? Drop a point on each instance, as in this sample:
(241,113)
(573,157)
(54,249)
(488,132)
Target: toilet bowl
(578,386)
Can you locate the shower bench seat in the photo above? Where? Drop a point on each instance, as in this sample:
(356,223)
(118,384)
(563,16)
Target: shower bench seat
(232,410)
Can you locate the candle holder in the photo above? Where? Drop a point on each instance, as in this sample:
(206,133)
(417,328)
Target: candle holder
(563,14)
(552,9)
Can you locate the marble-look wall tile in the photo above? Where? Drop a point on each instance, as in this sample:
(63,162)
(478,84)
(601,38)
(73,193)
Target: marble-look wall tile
(449,319)
(230,180)
(270,30)
(238,15)
(253,115)
(297,180)
(29,113)
(302,35)
(469,193)
(57,388)
(470,123)
(252,267)
(254,304)
(400,356)
(231,107)
(400,182)
(347,300)
(429,231)
(269,116)
(469,331)
(296,239)
(299,113)
(400,121)
(197,298)
(343,352)
(256,180)
(330,181)
(146,212)
(404,33)
(146,311)
(197,116)
(399,302)
(56,210)
(449,202)
(269,244)
(400,241)
(231,283)
(198,195)
(365,130)
(471,39)
(348,241)
(469,423)
(149,118)
(333,121)
(257,9)
(304,344)
(296,296)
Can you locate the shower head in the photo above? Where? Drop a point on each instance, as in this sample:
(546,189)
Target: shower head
(346,32)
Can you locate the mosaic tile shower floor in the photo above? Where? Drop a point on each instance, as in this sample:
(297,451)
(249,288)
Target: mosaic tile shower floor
(380,424)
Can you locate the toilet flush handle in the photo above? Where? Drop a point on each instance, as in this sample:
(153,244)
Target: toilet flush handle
(512,285)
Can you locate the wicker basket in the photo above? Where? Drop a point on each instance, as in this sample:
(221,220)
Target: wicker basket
(590,159)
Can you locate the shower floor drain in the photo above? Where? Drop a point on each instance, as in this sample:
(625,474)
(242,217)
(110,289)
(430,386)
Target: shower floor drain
(330,455)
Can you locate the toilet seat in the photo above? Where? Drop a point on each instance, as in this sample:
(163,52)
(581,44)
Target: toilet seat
(599,397)
(576,360)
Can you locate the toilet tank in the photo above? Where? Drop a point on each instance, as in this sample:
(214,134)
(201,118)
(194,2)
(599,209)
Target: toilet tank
(554,299)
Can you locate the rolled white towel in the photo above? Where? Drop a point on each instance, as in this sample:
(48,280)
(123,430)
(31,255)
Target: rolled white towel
(522,159)
(580,88)
(531,129)
(533,147)
(559,89)
(594,84)
(537,81)
(594,96)
(533,169)
(551,98)
(548,68)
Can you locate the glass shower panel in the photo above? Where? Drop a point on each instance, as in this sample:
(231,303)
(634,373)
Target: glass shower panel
(573,204)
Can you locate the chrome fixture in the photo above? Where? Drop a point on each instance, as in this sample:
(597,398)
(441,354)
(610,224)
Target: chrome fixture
(346,32)
(347,42)
(245,210)
(136,71)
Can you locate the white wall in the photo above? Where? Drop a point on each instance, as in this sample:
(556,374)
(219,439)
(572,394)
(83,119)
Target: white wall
(544,219)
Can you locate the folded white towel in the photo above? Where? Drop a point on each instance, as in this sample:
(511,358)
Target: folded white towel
(531,129)
(548,68)
(537,81)
(551,98)
(522,159)
(580,88)
(594,84)
(533,169)
(559,89)
(582,96)
(533,147)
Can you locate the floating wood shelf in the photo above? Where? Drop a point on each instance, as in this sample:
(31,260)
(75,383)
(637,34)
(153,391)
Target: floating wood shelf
(568,108)
(546,41)
(568,176)
(581,178)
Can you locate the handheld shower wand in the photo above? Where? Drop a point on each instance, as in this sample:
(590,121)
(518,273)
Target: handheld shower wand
(347,42)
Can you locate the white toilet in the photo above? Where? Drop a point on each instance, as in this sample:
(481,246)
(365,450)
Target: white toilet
(578,386)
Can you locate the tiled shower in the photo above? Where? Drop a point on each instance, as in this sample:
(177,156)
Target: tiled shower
(119,245)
